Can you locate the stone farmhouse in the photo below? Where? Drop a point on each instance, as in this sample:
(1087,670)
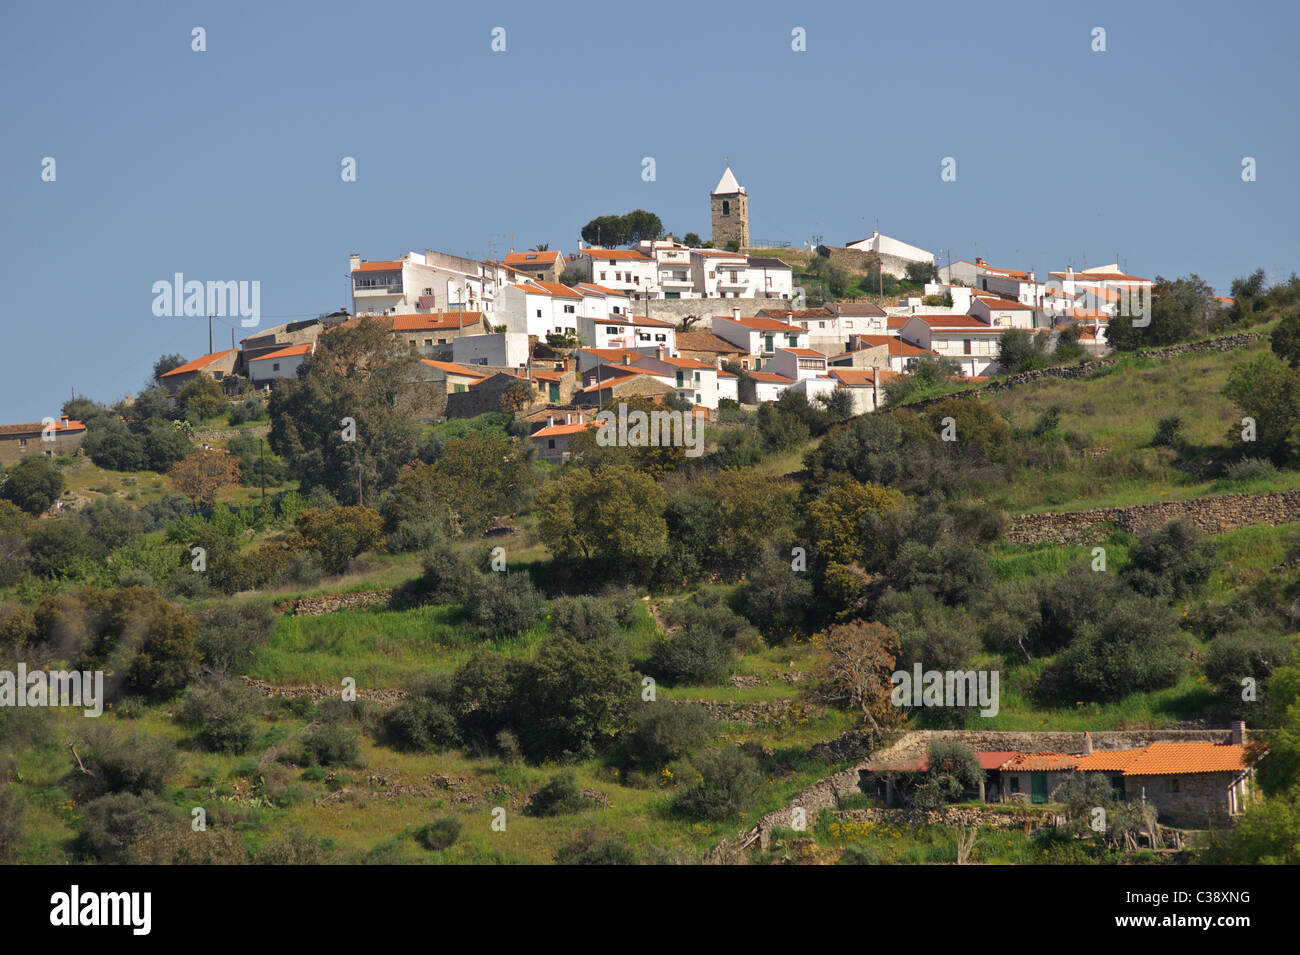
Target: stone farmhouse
(48,438)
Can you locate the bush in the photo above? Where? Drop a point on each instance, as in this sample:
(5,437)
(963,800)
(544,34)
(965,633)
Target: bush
(33,484)
(302,570)
(331,744)
(1169,433)
(663,732)
(585,619)
(422,723)
(590,851)
(340,534)
(573,697)
(448,575)
(55,547)
(559,797)
(111,523)
(1133,647)
(1250,469)
(729,781)
(222,711)
(250,409)
(1171,563)
(111,824)
(505,604)
(231,633)
(704,646)
(439,834)
(118,762)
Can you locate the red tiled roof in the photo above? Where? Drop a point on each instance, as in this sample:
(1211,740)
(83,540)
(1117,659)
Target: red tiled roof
(452,368)
(854,376)
(1039,762)
(803,352)
(633,320)
(67,425)
(558,290)
(1116,760)
(378,267)
(1004,304)
(557,429)
(1169,759)
(289,352)
(434,321)
(516,259)
(706,341)
(615,254)
(771,377)
(198,363)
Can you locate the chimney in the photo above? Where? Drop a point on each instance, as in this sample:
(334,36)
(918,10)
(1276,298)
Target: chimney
(1239,732)
(568,418)
(550,420)
(627,359)
(354,261)
(735,313)
(1087,743)
(659,351)
(978,260)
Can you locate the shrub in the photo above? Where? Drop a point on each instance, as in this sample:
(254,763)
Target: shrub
(590,851)
(111,523)
(331,744)
(250,409)
(585,619)
(704,646)
(502,605)
(230,634)
(55,546)
(439,834)
(729,781)
(340,534)
(110,824)
(1171,563)
(572,698)
(33,484)
(1169,432)
(118,762)
(1249,469)
(422,723)
(303,569)
(448,575)
(1133,647)
(222,711)
(559,797)
(663,732)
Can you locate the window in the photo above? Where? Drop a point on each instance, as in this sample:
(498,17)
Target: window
(965,346)
(1015,784)
(569,309)
(218,375)
(550,443)
(275,366)
(412,341)
(661,338)
(428,341)
(726,207)
(1173,784)
(458,388)
(792,340)
(602,276)
(539,313)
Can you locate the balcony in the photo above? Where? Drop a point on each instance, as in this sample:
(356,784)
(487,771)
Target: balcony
(395,289)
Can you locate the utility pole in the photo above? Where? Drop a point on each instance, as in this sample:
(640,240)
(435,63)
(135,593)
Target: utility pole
(261,460)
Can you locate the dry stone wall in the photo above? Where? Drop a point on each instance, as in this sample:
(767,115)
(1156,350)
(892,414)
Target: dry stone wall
(1210,515)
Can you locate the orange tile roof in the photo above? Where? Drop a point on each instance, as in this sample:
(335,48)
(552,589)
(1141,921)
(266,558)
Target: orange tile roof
(1112,760)
(854,376)
(706,341)
(557,429)
(958,321)
(558,290)
(532,258)
(289,352)
(615,254)
(803,352)
(378,267)
(1168,759)
(1039,762)
(39,427)
(633,320)
(684,363)
(198,363)
(611,382)
(772,377)
(432,321)
(451,368)
(601,289)
(615,355)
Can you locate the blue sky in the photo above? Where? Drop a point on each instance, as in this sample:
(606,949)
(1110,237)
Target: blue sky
(225,165)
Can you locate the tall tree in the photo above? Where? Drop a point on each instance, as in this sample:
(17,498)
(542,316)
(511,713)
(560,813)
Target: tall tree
(349,419)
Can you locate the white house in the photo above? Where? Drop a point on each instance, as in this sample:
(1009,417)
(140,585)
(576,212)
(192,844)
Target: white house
(624,270)
(540,308)
(889,248)
(973,344)
(879,351)
(719,274)
(797,363)
(419,282)
(728,385)
(760,337)
(768,386)
(626,331)
(283,363)
(864,385)
(1002,312)
(501,349)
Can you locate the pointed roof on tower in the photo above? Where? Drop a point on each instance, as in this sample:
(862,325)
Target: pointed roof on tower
(727,185)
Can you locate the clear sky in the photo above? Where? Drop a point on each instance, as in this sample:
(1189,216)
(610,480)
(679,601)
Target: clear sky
(225,165)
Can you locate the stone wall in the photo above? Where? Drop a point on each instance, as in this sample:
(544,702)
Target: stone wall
(956,817)
(858,260)
(917,743)
(1210,515)
(675,309)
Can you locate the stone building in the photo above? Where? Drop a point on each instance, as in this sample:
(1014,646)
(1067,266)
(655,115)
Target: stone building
(52,439)
(729,207)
